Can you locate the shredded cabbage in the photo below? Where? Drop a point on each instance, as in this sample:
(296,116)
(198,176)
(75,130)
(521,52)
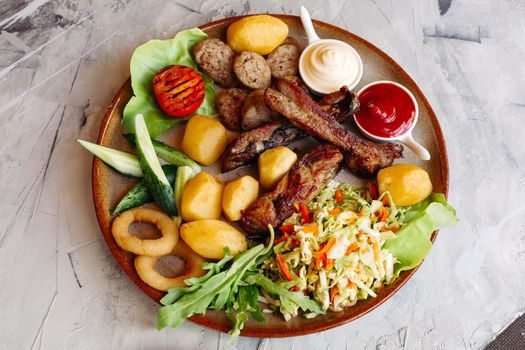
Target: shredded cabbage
(349,249)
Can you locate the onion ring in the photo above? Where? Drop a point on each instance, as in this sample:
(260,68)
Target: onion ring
(145,266)
(151,247)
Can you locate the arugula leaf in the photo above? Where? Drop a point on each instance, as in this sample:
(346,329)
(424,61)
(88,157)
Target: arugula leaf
(252,298)
(198,300)
(246,303)
(219,289)
(285,295)
(412,243)
(146,61)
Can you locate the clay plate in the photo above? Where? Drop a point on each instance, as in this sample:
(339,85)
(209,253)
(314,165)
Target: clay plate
(109,186)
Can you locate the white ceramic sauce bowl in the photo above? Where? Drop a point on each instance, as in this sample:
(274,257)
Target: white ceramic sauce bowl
(328,85)
(406,138)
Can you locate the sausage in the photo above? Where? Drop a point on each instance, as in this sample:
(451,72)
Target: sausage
(229,103)
(284,61)
(255,112)
(252,70)
(215,58)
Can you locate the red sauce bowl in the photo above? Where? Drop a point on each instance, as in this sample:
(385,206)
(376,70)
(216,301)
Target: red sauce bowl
(389,113)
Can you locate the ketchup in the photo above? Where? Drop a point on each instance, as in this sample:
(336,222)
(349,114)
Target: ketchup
(386,110)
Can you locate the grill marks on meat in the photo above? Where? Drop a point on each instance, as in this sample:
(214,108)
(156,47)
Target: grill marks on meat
(249,145)
(364,158)
(301,184)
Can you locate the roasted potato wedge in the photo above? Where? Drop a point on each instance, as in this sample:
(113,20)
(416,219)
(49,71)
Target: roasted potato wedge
(408,184)
(274,164)
(208,238)
(260,33)
(204,139)
(238,195)
(201,198)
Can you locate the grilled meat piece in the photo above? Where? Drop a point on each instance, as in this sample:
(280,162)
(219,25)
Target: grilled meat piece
(340,104)
(229,103)
(252,70)
(365,158)
(250,144)
(297,81)
(284,60)
(302,183)
(215,58)
(254,111)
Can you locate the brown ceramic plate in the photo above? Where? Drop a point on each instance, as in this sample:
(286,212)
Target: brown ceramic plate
(109,186)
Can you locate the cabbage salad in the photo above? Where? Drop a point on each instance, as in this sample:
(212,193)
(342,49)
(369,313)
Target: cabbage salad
(333,248)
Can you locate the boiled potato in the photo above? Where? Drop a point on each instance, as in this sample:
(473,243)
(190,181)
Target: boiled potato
(204,139)
(408,184)
(261,34)
(238,195)
(274,164)
(201,198)
(208,238)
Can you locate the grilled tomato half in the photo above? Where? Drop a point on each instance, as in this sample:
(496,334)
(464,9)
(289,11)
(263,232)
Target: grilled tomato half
(179,90)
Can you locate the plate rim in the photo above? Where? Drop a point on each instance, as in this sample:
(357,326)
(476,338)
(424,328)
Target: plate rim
(265,332)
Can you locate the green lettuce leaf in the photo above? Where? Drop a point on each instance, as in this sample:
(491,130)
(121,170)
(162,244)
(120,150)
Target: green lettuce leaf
(146,61)
(412,243)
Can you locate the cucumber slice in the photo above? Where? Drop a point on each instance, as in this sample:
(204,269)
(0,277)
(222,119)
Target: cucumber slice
(169,154)
(123,162)
(174,156)
(184,174)
(139,194)
(155,179)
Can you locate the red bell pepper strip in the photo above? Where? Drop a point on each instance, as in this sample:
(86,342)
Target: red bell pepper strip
(338,196)
(305,213)
(372,189)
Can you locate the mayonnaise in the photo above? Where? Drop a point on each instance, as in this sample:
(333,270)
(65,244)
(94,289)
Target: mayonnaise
(327,65)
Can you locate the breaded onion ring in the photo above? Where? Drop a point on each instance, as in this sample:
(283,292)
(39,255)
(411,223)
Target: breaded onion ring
(151,247)
(145,266)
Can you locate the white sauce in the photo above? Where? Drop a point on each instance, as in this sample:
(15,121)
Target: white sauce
(327,65)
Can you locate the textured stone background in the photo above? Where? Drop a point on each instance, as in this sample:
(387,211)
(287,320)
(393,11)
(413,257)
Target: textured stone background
(60,64)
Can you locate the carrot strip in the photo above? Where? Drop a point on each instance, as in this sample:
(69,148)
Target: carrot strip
(375,247)
(338,196)
(351,248)
(318,263)
(283,267)
(310,229)
(385,201)
(361,212)
(329,264)
(333,292)
(383,214)
(321,254)
(334,211)
(328,245)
